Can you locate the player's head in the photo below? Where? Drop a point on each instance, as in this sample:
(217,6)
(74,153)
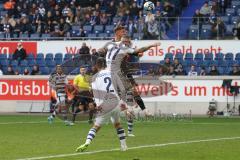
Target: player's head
(119,32)
(126,41)
(59,69)
(100,63)
(82,70)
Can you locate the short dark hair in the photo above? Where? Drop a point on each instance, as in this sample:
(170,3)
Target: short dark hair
(101,62)
(119,27)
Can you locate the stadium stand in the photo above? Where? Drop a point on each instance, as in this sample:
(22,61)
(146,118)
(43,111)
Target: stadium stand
(44,19)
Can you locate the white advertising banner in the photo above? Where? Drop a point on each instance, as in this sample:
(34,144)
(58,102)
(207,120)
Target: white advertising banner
(187,91)
(152,55)
(152,90)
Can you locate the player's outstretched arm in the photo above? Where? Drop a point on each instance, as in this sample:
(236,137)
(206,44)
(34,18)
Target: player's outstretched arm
(143,49)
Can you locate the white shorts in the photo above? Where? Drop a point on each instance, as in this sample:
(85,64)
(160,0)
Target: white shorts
(113,115)
(61,98)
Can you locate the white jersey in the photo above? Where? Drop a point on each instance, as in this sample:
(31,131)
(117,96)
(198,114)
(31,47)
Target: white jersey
(105,95)
(115,55)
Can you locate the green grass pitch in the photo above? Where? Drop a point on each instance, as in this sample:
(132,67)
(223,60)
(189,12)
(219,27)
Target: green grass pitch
(25,136)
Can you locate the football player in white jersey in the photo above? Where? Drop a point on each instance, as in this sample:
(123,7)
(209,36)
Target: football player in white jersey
(108,105)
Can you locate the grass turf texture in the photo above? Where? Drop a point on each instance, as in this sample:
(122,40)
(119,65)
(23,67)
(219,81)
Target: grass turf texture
(24,140)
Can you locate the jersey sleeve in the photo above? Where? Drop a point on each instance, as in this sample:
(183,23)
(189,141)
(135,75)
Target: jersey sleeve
(75,80)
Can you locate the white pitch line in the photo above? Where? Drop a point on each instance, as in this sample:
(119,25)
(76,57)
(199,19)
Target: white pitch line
(2,123)
(130,148)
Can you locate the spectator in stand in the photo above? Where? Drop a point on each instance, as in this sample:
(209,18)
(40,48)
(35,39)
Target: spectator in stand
(168,8)
(160,71)
(111,9)
(235,70)
(20,53)
(193,71)
(178,68)
(197,18)
(35,70)
(223,4)
(202,72)
(81,33)
(159,6)
(16,72)
(9,71)
(95,19)
(84,49)
(26,71)
(166,66)
(205,10)
(236,31)
(104,20)
(151,71)
(95,53)
(213,71)
(134,10)
(171,72)
(218,28)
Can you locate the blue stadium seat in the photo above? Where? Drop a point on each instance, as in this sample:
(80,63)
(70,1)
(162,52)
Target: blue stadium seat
(227,70)
(98,29)
(24,63)
(219,56)
(103,35)
(235,4)
(58,55)
(24,35)
(76,27)
(58,61)
(30,56)
(229,62)
(3,56)
(194,32)
(31,62)
(14,63)
(179,56)
(4,63)
(238,12)
(207,63)
(188,56)
(230,12)
(237,56)
(199,62)
(198,56)
(208,56)
(109,28)
(92,35)
(206,31)
(35,36)
(44,70)
(168,55)
(45,35)
(229,29)
(51,64)
(68,56)
(235,20)
(87,29)
(220,70)
(49,56)
(225,19)
(41,62)
(40,56)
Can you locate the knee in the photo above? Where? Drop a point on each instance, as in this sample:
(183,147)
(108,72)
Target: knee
(117,125)
(97,127)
